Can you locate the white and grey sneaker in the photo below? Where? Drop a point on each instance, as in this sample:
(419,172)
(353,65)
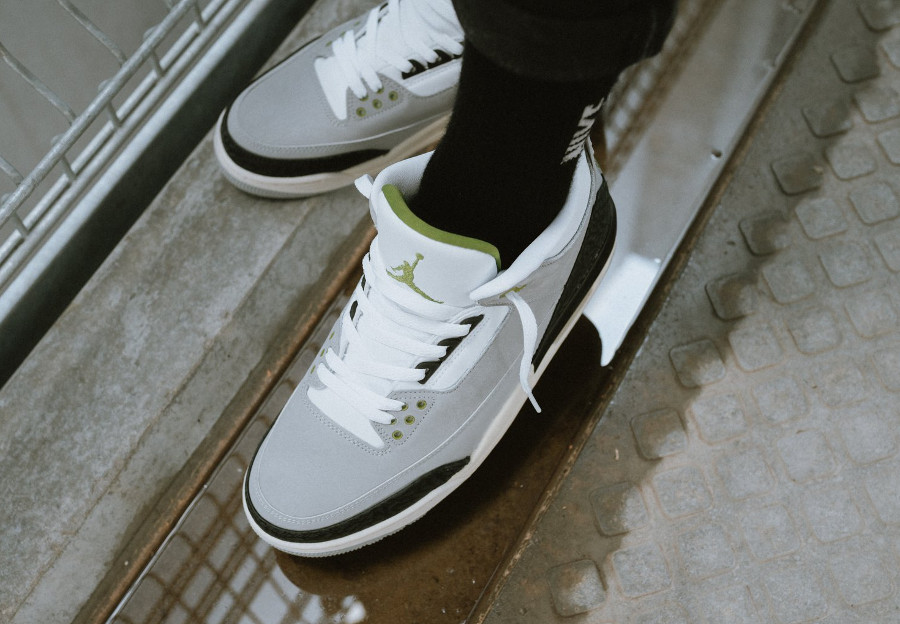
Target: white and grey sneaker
(427,367)
(368,93)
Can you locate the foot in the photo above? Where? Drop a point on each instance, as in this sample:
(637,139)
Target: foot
(428,365)
(368,93)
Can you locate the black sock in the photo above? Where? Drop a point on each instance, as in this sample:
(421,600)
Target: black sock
(503,169)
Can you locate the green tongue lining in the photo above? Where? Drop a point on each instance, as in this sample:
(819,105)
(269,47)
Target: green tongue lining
(398,205)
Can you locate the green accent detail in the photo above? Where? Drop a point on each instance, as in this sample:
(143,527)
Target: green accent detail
(393,421)
(376,103)
(398,205)
(410,419)
(380,91)
(421,405)
(360,112)
(331,336)
(405,276)
(404,408)
(397,435)
(313,369)
(514,289)
(364,98)
(393,95)
(323,352)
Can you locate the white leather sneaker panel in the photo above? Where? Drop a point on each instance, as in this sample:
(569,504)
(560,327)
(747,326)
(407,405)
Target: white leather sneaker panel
(434,80)
(470,350)
(436,271)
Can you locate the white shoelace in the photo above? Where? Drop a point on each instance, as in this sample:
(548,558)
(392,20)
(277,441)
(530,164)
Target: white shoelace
(414,32)
(410,326)
(529,344)
(358,371)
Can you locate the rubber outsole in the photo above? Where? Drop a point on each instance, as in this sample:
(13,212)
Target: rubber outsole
(310,185)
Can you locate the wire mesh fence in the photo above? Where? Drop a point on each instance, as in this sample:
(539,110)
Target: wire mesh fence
(37,199)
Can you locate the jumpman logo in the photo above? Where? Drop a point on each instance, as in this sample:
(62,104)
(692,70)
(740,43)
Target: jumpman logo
(404,275)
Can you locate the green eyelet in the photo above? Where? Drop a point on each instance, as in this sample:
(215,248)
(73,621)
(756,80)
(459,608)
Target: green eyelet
(397,435)
(364,98)
(360,112)
(410,419)
(404,408)
(376,103)
(380,91)
(393,96)
(421,405)
(393,421)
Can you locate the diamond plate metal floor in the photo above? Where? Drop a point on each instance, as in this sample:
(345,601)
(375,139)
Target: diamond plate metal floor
(746,468)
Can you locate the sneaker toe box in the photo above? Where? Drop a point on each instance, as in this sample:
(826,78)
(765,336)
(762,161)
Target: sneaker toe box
(280,115)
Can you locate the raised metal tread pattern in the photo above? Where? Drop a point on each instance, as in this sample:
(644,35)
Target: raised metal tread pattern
(746,469)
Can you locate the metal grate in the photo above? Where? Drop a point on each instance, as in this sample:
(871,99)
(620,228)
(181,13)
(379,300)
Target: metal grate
(46,195)
(213,568)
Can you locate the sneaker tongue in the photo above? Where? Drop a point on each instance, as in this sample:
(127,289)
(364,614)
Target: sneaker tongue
(437,265)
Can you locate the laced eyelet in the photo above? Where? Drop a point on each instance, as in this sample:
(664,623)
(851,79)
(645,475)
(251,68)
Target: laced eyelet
(405,407)
(393,421)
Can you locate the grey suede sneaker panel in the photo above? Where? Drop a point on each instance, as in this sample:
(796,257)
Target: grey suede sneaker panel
(337,476)
(284,113)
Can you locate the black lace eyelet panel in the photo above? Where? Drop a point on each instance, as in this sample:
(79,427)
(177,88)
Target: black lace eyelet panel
(451,344)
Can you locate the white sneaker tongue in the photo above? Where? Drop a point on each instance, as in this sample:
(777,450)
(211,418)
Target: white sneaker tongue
(439,266)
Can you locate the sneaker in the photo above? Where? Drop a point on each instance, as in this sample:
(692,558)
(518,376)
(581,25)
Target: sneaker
(369,93)
(427,366)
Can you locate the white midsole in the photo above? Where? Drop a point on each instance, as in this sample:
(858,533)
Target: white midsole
(305,186)
(492,436)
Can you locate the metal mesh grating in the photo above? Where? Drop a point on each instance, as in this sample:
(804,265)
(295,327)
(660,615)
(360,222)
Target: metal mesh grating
(44,196)
(213,568)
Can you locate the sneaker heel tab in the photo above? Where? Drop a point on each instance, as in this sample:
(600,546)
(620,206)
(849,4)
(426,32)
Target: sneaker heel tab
(364,185)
